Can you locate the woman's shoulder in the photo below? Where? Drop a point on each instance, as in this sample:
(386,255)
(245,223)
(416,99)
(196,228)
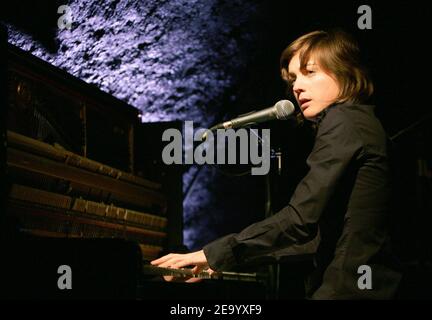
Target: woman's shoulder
(351,114)
(358,120)
(350,111)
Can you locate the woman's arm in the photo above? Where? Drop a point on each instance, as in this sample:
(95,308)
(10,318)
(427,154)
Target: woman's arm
(336,146)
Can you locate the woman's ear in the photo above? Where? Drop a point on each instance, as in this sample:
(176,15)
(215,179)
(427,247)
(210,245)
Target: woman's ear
(284,74)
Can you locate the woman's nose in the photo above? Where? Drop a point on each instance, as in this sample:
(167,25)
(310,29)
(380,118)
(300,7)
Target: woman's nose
(298,86)
(297,89)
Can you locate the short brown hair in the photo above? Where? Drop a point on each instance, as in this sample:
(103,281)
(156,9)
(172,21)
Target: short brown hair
(338,54)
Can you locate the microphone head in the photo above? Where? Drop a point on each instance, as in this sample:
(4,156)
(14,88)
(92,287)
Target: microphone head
(284,109)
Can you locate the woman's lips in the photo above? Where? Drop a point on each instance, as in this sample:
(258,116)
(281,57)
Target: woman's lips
(304,104)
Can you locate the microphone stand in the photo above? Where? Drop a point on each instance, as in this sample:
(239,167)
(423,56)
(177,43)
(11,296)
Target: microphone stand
(274,271)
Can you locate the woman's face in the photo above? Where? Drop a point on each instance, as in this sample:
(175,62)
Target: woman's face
(313,88)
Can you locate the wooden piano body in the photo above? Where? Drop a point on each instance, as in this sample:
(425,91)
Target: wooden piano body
(80,175)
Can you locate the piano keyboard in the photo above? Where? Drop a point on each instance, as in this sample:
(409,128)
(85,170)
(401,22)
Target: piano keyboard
(187,273)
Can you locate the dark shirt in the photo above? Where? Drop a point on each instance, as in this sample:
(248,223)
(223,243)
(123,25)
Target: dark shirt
(339,211)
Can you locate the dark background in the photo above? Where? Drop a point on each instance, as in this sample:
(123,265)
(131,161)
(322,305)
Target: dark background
(208,61)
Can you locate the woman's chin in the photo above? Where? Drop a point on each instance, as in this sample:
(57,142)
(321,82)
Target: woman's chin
(309,114)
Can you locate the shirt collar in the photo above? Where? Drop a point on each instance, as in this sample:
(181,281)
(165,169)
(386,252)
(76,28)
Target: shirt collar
(320,116)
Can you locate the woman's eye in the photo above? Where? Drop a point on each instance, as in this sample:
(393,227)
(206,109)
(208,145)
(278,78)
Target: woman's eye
(310,71)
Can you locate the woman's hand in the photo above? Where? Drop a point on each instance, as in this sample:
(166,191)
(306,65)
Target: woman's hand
(176,261)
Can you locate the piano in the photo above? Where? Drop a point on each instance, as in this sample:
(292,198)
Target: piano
(84,187)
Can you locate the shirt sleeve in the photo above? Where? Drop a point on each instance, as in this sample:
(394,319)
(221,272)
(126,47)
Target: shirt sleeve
(336,146)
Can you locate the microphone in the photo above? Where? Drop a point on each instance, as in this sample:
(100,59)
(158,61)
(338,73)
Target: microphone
(282,110)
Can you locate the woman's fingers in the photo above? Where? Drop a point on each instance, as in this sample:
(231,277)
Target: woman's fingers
(168,261)
(168,278)
(162,259)
(177,261)
(193,280)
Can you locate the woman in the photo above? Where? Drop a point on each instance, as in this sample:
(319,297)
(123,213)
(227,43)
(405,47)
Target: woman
(341,205)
